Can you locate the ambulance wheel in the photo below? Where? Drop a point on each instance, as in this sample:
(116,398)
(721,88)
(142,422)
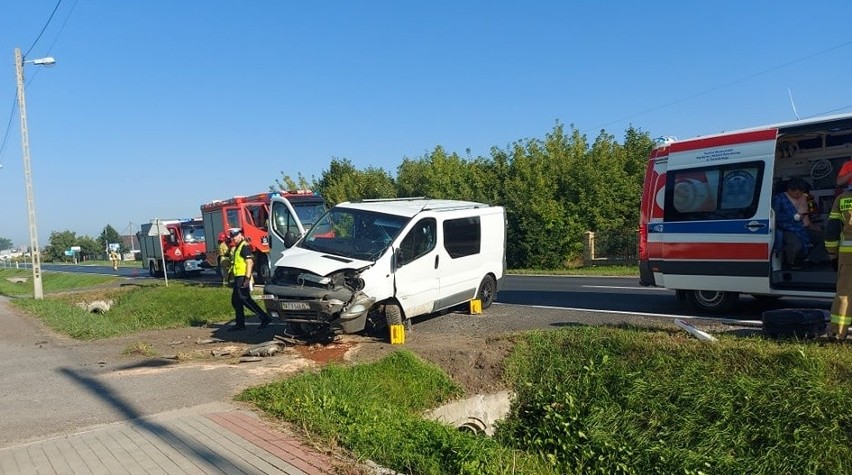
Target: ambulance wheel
(713,301)
(487,291)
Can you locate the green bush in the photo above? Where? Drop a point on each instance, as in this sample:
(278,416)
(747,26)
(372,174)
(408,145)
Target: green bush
(606,400)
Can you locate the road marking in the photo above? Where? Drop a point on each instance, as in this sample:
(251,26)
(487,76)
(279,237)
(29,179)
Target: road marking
(624,288)
(732,321)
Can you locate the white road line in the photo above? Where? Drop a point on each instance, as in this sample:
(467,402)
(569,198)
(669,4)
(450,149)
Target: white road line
(644,314)
(625,288)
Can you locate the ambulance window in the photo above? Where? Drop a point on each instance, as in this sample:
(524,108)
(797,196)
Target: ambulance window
(462,237)
(713,193)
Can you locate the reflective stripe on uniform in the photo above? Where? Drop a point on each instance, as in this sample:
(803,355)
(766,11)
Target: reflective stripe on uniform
(835,215)
(841,320)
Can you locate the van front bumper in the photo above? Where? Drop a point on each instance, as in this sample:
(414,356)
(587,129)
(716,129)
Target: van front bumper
(340,308)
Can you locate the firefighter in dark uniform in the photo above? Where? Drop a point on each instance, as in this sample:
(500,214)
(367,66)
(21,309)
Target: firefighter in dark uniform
(838,242)
(243,263)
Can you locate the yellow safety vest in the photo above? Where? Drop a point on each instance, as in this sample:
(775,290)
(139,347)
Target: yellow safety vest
(240,265)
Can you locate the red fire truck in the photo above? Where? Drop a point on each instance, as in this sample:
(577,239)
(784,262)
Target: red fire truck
(181,242)
(251,214)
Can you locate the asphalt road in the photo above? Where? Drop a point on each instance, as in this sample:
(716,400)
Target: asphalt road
(608,294)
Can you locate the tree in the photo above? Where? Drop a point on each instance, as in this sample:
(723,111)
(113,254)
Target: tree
(5,243)
(286,183)
(343,182)
(90,248)
(110,235)
(58,243)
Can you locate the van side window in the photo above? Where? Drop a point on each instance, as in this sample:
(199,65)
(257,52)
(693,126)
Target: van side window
(713,193)
(419,241)
(282,221)
(462,237)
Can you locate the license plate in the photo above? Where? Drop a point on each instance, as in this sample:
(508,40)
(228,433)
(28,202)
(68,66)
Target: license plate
(267,297)
(294,306)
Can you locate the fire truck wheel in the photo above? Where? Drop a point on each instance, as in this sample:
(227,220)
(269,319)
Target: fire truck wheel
(487,291)
(151,270)
(713,301)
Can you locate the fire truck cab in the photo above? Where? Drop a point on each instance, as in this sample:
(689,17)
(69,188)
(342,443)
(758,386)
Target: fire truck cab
(251,214)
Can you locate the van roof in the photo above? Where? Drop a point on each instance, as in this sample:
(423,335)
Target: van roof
(411,206)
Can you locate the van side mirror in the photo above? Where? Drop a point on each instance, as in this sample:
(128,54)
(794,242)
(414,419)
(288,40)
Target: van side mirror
(398,260)
(290,239)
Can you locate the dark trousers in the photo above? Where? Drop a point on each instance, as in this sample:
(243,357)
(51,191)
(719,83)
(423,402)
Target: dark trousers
(241,299)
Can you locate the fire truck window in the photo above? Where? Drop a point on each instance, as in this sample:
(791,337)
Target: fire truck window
(233,216)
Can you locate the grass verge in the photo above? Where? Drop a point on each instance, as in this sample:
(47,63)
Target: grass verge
(11,284)
(606,400)
(133,309)
(373,410)
(597,400)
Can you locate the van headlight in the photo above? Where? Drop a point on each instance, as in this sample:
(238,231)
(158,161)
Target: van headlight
(360,305)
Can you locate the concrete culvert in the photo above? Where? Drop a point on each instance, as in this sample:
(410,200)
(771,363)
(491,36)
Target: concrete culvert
(98,306)
(476,414)
(473,425)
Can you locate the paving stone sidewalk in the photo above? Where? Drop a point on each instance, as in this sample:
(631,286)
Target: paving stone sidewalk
(211,439)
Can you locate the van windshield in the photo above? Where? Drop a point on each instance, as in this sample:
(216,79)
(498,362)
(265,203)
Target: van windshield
(352,233)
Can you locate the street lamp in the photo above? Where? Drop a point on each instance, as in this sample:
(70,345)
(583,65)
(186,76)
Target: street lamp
(35,256)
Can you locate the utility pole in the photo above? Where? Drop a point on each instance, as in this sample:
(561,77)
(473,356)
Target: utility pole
(38,290)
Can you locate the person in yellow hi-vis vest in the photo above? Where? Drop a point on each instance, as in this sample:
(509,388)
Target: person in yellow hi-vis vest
(838,242)
(243,263)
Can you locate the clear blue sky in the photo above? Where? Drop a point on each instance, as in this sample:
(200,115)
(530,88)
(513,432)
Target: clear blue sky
(156,107)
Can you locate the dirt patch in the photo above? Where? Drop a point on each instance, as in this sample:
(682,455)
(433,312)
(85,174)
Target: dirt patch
(475,362)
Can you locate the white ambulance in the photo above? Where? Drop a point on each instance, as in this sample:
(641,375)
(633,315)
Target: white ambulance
(376,262)
(707,228)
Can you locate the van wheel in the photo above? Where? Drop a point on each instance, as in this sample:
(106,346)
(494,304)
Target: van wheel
(487,291)
(713,301)
(393,314)
(151,270)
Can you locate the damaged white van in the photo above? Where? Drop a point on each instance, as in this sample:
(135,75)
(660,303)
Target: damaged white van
(372,263)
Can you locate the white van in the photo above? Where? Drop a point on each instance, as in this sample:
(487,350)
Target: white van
(378,262)
(707,228)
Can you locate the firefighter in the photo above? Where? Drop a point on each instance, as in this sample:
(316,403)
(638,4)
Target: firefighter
(243,263)
(838,242)
(114,258)
(224,259)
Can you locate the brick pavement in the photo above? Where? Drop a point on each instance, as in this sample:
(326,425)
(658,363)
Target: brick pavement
(211,439)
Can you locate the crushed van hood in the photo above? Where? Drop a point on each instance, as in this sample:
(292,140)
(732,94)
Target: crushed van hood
(319,263)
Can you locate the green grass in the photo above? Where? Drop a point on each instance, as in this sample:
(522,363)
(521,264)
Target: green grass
(51,281)
(373,411)
(597,400)
(607,271)
(134,308)
(606,400)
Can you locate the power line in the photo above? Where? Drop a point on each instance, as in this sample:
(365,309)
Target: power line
(43,28)
(32,78)
(728,84)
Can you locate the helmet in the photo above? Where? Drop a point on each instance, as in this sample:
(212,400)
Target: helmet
(222,236)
